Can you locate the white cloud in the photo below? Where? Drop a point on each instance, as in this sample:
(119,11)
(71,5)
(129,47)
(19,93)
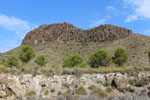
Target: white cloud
(147,32)
(15,24)
(140,9)
(18,27)
(131,18)
(99,21)
(110,8)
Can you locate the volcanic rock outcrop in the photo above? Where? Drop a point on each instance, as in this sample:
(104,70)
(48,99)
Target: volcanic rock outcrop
(68,33)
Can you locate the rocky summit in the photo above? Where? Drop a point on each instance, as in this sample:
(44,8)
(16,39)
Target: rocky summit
(69,33)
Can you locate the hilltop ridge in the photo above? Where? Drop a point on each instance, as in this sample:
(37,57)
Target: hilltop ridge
(69,33)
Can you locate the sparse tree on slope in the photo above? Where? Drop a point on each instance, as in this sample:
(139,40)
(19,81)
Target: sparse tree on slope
(26,53)
(120,56)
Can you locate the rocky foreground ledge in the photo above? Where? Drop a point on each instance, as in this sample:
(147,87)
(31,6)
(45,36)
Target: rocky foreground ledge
(111,86)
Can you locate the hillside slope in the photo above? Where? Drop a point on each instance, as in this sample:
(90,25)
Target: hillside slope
(58,41)
(136,45)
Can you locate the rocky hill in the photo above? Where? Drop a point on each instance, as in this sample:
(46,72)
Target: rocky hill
(68,33)
(58,41)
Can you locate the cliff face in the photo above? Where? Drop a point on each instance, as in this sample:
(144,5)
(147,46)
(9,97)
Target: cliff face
(68,33)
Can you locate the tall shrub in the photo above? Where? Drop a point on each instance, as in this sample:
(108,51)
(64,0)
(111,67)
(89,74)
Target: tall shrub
(12,61)
(26,54)
(99,58)
(72,61)
(41,60)
(120,56)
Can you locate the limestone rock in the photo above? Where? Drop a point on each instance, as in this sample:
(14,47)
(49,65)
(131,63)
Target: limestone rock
(120,81)
(11,86)
(109,78)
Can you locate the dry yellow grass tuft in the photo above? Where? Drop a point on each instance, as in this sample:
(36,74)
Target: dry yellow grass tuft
(81,91)
(109,89)
(100,92)
(30,93)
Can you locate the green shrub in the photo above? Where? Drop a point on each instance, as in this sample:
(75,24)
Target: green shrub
(72,61)
(41,60)
(99,58)
(83,65)
(120,56)
(12,61)
(26,53)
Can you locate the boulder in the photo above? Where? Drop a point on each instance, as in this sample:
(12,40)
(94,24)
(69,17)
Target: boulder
(11,86)
(120,81)
(109,78)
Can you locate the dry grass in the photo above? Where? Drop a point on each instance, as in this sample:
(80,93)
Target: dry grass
(131,71)
(107,69)
(66,94)
(131,81)
(27,69)
(81,91)
(46,92)
(100,92)
(4,69)
(44,69)
(30,93)
(109,89)
(92,87)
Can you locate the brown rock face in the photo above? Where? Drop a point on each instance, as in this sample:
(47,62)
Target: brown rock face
(68,33)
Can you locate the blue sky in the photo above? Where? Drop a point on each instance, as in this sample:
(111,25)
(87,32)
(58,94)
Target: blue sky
(17,17)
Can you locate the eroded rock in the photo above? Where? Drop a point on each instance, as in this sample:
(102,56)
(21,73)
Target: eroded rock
(68,33)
